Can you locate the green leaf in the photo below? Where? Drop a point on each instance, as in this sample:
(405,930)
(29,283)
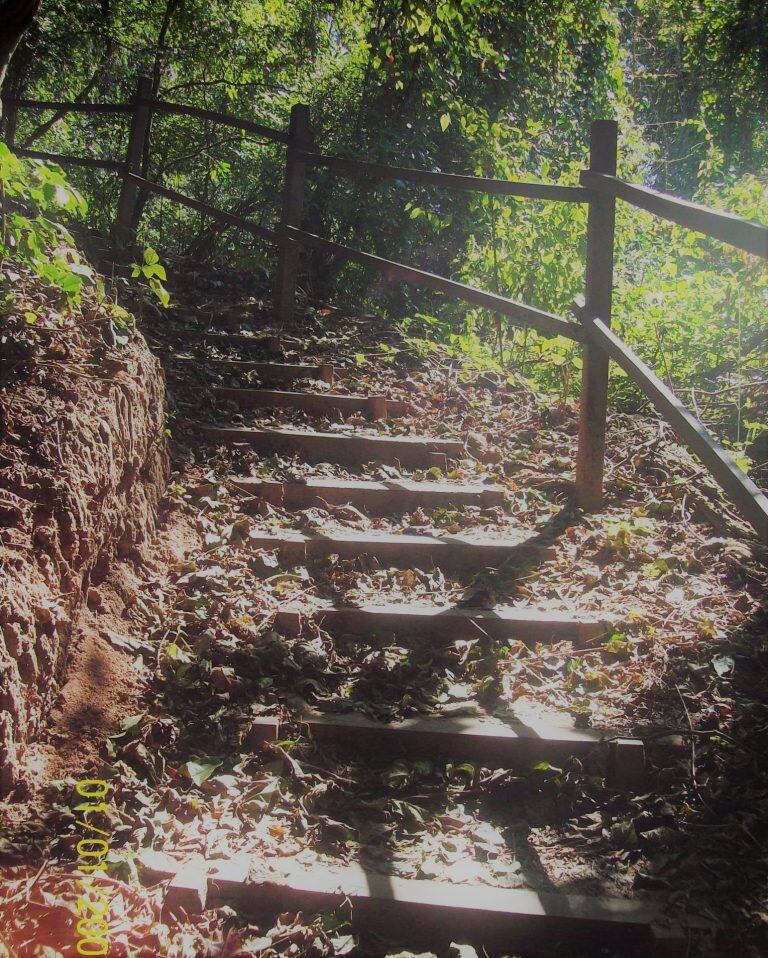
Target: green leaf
(82,269)
(445,121)
(424,23)
(70,283)
(655,569)
(155,270)
(150,256)
(466,769)
(200,771)
(132,721)
(62,195)
(175,653)
(623,834)
(161,292)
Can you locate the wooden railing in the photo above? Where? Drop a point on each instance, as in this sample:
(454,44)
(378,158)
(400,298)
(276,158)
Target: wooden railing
(600,189)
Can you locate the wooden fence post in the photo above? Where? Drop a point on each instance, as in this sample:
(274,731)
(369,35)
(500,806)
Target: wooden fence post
(300,138)
(137,139)
(590,459)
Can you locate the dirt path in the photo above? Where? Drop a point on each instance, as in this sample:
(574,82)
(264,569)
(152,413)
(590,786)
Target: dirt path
(375,671)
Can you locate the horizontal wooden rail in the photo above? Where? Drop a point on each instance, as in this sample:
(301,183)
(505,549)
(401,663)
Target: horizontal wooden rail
(726,227)
(229,218)
(163,106)
(89,161)
(65,106)
(740,489)
(450,181)
(544,322)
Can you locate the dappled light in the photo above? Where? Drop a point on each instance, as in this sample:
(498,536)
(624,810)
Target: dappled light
(383,518)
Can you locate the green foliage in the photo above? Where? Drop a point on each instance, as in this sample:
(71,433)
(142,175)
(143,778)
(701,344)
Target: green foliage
(472,86)
(698,75)
(688,304)
(33,197)
(151,270)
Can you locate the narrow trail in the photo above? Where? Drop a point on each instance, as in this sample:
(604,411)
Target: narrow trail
(342,477)
(376,689)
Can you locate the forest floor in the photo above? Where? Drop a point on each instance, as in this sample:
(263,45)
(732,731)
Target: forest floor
(177,657)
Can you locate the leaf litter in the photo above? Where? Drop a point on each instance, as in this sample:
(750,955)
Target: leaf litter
(682,666)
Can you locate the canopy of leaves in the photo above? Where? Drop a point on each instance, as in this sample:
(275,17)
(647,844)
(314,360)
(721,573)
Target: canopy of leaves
(487,87)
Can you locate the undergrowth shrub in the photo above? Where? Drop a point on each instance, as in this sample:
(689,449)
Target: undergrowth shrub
(34,196)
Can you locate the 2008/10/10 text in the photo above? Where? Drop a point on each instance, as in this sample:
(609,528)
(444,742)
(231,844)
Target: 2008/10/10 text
(92,849)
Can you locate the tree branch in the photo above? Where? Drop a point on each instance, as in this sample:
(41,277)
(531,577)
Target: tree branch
(16,17)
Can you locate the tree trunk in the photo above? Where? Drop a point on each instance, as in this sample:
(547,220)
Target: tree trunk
(157,74)
(16,17)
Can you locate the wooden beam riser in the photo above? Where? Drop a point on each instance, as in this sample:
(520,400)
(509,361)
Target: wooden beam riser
(345,450)
(274,373)
(375,499)
(445,626)
(452,739)
(267,344)
(318,404)
(457,557)
(432,914)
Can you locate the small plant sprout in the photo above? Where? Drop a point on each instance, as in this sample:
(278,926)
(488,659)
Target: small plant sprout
(151,270)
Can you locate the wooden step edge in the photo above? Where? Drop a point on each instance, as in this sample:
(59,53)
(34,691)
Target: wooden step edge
(269,372)
(446,624)
(398,549)
(380,498)
(372,539)
(488,741)
(432,913)
(242,433)
(269,343)
(374,407)
(425,912)
(351,449)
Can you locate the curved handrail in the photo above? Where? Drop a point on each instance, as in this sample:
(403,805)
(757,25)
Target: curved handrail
(224,119)
(230,218)
(726,227)
(547,323)
(450,181)
(735,483)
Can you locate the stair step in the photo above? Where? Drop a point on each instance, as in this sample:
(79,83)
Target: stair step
(347,449)
(374,407)
(283,373)
(431,623)
(378,498)
(488,741)
(429,914)
(269,344)
(447,552)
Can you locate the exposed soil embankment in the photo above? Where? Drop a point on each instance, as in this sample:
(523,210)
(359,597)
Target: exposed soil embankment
(82,468)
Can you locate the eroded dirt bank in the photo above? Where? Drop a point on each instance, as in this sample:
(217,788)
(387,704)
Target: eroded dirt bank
(82,468)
